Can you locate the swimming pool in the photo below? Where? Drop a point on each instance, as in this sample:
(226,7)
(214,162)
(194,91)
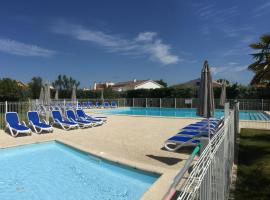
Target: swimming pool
(182,112)
(54,171)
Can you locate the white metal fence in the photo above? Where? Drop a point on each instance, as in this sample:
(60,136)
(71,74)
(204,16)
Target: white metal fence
(211,175)
(20,107)
(244,104)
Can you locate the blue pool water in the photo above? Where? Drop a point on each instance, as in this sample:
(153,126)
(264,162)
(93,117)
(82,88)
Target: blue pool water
(182,112)
(53,171)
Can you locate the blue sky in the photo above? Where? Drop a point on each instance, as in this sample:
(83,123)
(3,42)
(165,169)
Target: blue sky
(99,40)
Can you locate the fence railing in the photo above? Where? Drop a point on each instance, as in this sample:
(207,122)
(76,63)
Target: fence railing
(20,107)
(210,177)
(244,104)
(23,107)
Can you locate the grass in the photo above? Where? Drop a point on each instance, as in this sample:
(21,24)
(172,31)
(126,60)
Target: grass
(253,174)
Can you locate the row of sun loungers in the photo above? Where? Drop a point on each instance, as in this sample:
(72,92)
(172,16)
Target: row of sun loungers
(71,121)
(90,104)
(192,134)
(82,105)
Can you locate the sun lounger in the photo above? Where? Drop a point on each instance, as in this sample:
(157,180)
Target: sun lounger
(62,122)
(176,142)
(82,114)
(14,126)
(98,105)
(114,104)
(192,134)
(90,104)
(80,121)
(38,125)
(106,105)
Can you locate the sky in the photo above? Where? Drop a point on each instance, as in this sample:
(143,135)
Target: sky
(101,40)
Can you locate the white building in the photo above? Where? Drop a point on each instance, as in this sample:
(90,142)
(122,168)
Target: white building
(128,85)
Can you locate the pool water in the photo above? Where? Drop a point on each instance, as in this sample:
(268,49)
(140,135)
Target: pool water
(54,171)
(182,112)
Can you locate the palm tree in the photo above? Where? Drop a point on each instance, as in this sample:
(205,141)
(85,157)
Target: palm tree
(261,66)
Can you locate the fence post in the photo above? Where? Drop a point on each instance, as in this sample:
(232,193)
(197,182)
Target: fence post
(29,104)
(146,102)
(118,102)
(132,102)
(262,104)
(175,103)
(160,102)
(6,107)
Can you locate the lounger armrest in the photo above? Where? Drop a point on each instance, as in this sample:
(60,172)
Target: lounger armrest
(81,118)
(44,121)
(56,121)
(68,119)
(72,120)
(24,123)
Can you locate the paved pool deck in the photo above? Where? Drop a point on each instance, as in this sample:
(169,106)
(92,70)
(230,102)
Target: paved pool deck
(133,141)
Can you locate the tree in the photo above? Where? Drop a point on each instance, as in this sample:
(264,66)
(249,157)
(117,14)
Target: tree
(35,86)
(65,84)
(162,82)
(261,66)
(11,91)
(221,81)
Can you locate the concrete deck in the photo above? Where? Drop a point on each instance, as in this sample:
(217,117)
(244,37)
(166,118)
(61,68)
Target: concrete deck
(134,141)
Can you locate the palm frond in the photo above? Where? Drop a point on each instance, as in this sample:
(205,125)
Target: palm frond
(257,46)
(255,66)
(265,39)
(257,78)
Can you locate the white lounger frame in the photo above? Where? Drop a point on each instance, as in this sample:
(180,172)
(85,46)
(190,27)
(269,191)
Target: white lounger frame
(15,132)
(64,126)
(38,129)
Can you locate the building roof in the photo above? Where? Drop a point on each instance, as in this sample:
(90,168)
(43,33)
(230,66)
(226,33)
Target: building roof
(132,83)
(21,84)
(123,84)
(196,83)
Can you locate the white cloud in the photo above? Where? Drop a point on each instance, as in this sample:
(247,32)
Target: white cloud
(145,43)
(146,36)
(22,49)
(161,52)
(234,31)
(262,9)
(229,68)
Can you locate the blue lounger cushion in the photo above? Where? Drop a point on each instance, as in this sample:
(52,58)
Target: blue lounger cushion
(14,125)
(82,114)
(205,129)
(13,120)
(71,115)
(57,115)
(19,127)
(34,118)
(193,133)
